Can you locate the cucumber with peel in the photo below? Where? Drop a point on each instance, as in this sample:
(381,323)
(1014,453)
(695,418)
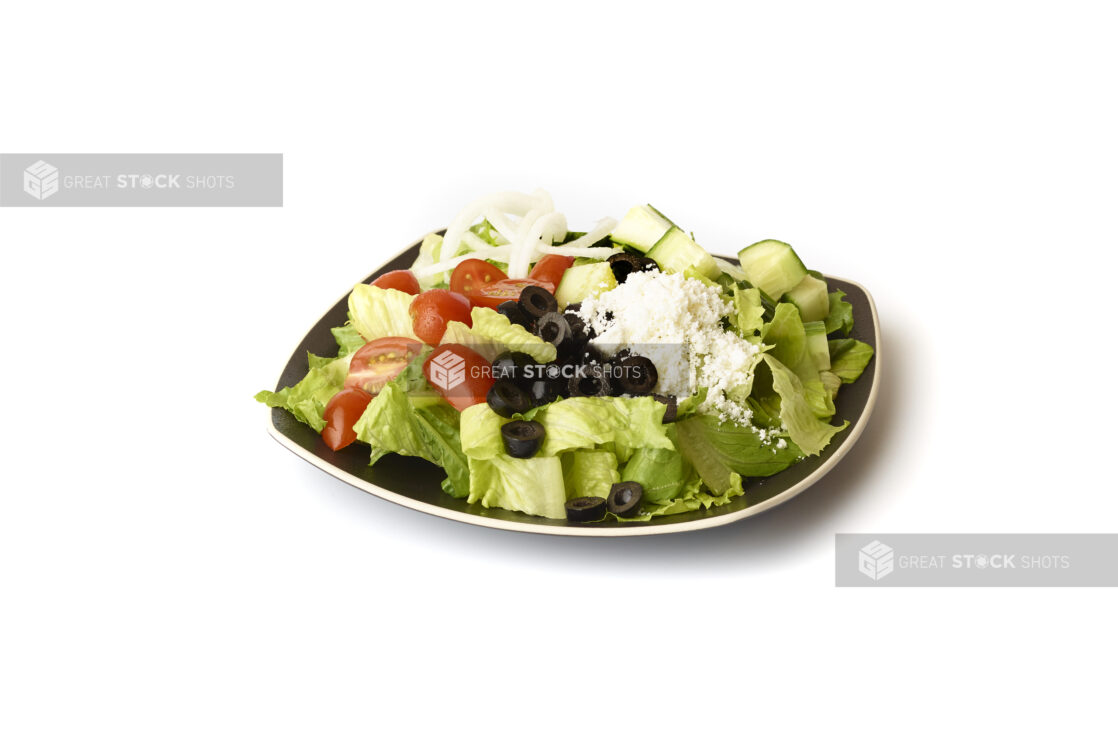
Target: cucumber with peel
(641,228)
(582,281)
(772,266)
(676,252)
(810,297)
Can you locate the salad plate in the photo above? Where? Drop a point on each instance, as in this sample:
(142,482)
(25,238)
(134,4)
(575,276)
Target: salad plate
(415,483)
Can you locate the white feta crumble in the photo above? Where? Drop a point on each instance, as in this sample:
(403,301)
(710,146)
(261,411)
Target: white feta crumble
(676,322)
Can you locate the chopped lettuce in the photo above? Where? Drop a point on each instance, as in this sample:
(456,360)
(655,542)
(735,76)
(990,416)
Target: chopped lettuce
(589,473)
(719,451)
(662,473)
(396,422)
(532,485)
(492,334)
(586,422)
(840,314)
(348,338)
(789,345)
(797,414)
(307,399)
(748,313)
(380,312)
(849,358)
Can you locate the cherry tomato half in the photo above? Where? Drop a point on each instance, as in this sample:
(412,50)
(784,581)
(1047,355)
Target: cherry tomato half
(431,310)
(379,362)
(550,269)
(472,275)
(495,294)
(342,412)
(461,375)
(401,280)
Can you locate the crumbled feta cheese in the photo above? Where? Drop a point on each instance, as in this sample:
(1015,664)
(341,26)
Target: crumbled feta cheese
(676,322)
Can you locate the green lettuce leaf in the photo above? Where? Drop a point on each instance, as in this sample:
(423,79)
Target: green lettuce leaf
(423,426)
(721,450)
(589,473)
(840,315)
(662,473)
(348,338)
(532,485)
(380,312)
(481,432)
(849,358)
(788,338)
(429,254)
(748,313)
(797,414)
(490,325)
(587,422)
(307,399)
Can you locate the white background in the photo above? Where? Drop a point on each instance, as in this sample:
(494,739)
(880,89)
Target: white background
(168,571)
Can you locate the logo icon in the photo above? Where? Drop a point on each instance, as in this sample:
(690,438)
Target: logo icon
(876,560)
(447,370)
(40,180)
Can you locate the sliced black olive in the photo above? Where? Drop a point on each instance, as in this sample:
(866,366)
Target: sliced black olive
(511,366)
(553,327)
(578,329)
(622,264)
(586,509)
(635,375)
(542,391)
(522,438)
(624,498)
(588,354)
(506,399)
(589,380)
(537,301)
(573,308)
(670,403)
(512,311)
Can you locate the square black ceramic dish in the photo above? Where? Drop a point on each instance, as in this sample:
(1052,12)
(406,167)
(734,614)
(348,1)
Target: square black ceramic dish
(415,483)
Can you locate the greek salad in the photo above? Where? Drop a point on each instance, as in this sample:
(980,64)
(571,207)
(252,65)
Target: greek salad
(622,373)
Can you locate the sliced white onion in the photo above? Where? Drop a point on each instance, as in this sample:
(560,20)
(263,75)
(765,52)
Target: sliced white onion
(501,223)
(565,251)
(604,227)
(506,201)
(541,234)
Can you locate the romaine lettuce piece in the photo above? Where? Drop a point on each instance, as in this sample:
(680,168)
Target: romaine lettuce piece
(748,313)
(490,325)
(423,427)
(849,358)
(307,399)
(661,472)
(532,485)
(797,414)
(840,314)
(587,422)
(348,338)
(721,450)
(589,473)
(380,312)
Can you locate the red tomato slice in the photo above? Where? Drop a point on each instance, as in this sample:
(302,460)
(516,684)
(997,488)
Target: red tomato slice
(473,274)
(342,412)
(401,280)
(550,269)
(431,310)
(495,294)
(379,362)
(461,375)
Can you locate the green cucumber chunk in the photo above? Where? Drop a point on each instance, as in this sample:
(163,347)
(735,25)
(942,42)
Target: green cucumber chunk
(772,266)
(641,228)
(676,252)
(817,348)
(810,297)
(583,281)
